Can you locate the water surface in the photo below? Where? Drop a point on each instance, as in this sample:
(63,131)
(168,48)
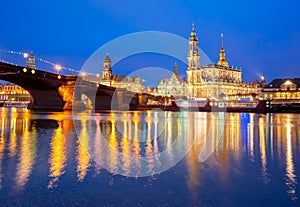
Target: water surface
(234,159)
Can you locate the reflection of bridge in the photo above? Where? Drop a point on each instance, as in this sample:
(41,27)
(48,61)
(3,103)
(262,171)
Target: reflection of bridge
(51,91)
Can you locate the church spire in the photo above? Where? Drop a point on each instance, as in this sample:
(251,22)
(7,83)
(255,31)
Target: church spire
(193,55)
(31,61)
(222,61)
(106,71)
(175,68)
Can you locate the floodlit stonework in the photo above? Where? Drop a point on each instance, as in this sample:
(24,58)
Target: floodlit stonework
(216,81)
(129,83)
(173,86)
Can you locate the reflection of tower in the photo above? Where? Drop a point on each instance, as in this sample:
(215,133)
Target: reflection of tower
(222,61)
(106,71)
(31,62)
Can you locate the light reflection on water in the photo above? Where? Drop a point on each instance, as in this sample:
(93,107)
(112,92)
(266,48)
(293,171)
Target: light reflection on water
(260,151)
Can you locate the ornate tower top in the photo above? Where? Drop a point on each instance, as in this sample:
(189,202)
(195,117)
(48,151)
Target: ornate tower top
(106,71)
(107,63)
(222,61)
(193,35)
(193,55)
(107,58)
(31,62)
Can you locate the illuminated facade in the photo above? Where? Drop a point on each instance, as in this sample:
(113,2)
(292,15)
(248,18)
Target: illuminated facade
(282,89)
(119,81)
(173,86)
(216,81)
(13,92)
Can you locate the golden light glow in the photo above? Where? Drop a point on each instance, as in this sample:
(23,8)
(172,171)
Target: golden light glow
(113,147)
(27,157)
(25,55)
(263,154)
(290,171)
(33,71)
(58,156)
(24,70)
(13,138)
(57,67)
(83,156)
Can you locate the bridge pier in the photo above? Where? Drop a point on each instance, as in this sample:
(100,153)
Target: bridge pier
(46,100)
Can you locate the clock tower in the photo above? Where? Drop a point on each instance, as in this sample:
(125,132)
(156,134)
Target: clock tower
(106,71)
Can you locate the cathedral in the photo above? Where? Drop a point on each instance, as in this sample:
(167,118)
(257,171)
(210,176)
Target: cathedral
(215,81)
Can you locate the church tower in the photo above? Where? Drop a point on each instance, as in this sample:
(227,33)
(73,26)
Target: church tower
(222,61)
(193,72)
(176,69)
(193,54)
(31,62)
(106,71)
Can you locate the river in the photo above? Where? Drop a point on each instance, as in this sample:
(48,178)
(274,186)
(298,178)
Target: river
(149,158)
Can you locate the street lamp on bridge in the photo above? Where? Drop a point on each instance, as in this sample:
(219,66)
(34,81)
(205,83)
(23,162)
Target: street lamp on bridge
(57,67)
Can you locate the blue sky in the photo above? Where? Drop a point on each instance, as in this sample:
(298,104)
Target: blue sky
(262,37)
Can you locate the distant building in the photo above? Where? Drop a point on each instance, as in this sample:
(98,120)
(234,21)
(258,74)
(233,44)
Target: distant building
(119,81)
(219,81)
(282,89)
(10,88)
(173,86)
(13,92)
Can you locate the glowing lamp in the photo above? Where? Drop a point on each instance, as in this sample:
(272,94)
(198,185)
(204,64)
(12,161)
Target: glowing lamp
(59,76)
(33,71)
(57,67)
(25,55)
(24,70)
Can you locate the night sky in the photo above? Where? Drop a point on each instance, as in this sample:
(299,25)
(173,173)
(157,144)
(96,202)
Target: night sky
(262,37)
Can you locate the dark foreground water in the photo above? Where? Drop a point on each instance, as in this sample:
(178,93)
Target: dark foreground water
(139,159)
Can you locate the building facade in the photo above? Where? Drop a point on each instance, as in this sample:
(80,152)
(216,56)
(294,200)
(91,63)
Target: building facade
(174,86)
(282,90)
(129,83)
(216,81)
(13,92)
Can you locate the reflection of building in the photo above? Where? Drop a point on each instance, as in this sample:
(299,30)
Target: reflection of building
(282,89)
(214,81)
(119,81)
(172,86)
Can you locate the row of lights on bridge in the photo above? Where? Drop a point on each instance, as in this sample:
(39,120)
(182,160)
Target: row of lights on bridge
(33,72)
(57,67)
